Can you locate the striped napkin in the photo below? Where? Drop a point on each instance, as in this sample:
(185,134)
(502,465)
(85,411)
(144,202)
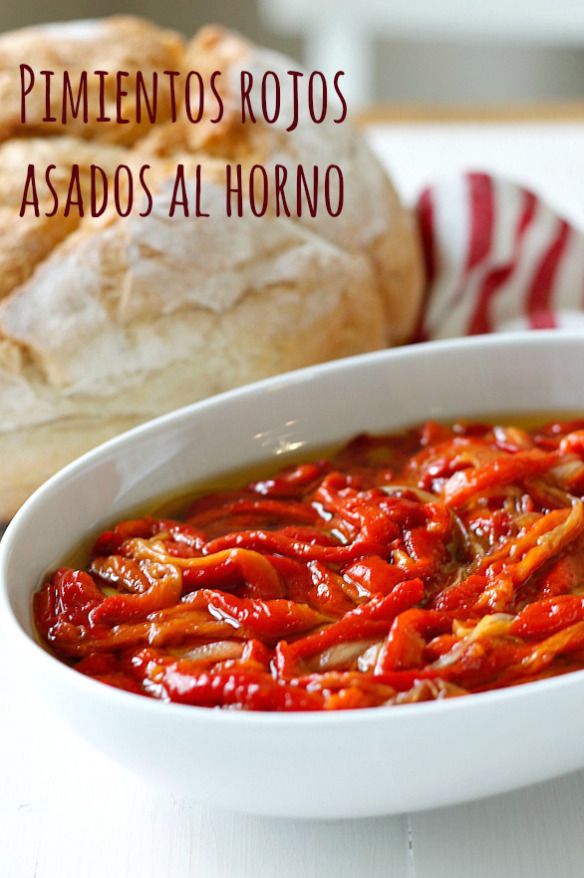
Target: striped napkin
(497,259)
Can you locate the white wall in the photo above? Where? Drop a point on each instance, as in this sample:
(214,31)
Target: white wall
(402,70)
(453,73)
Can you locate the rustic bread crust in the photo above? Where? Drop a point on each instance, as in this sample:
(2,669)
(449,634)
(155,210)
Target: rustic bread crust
(118,43)
(27,240)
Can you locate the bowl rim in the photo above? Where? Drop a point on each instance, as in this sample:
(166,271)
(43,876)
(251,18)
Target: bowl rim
(41,656)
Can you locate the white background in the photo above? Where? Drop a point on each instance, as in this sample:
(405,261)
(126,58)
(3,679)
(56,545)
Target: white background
(67,812)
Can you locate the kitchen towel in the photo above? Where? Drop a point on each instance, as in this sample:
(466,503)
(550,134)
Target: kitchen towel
(497,259)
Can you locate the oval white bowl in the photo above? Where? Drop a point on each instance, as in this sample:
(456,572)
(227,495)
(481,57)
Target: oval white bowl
(349,764)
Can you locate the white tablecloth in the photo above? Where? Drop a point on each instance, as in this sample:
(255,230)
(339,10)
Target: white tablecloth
(67,812)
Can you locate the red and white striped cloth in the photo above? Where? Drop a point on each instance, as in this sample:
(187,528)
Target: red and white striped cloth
(497,259)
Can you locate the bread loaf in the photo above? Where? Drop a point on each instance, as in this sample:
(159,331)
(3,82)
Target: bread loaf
(107,322)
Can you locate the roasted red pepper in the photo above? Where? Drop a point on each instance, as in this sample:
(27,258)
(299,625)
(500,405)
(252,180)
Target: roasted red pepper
(444,560)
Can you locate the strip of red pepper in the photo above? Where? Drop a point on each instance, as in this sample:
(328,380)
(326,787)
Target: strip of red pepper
(111,542)
(467,483)
(248,688)
(404,645)
(268,620)
(368,620)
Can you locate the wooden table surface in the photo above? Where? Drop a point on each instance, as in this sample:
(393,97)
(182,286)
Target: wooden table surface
(67,812)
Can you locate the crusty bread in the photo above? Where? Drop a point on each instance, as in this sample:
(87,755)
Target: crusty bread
(25,241)
(110,321)
(117,43)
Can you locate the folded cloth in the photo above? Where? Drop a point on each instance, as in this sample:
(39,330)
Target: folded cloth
(497,259)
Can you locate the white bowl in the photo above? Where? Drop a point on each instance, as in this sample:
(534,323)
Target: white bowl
(348,764)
